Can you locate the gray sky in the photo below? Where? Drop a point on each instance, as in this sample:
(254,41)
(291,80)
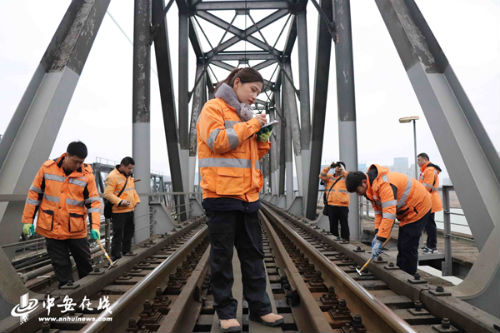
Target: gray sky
(100,113)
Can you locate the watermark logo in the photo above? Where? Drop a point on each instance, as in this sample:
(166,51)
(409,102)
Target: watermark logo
(66,308)
(24,308)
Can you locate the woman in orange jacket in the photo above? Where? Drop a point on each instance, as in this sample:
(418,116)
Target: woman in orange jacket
(230,145)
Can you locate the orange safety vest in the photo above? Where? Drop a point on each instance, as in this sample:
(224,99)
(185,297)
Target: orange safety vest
(229,153)
(114,184)
(338,195)
(63,202)
(395,195)
(429,177)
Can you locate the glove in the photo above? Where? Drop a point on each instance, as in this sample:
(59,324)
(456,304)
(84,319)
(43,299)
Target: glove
(374,237)
(376,248)
(95,234)
(28,229)
(264,134)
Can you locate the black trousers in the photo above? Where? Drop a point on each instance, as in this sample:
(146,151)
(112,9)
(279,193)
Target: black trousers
(338,214)
(59,252)
(430,229)
(123,231)
(243,231)
(408,238)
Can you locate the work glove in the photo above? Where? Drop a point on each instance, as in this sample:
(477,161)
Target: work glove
(264,134)
(376,248)
(374,237)
(95,234)
(28,229)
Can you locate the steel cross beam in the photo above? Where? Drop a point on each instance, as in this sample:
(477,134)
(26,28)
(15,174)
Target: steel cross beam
(242,34)
(236,5)
(35,124)
(469,155)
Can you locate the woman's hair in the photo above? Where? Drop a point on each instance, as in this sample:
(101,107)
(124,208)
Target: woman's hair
(246,74)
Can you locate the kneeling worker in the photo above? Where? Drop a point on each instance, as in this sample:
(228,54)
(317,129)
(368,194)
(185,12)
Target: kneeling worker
(394,194)
(64,193)
(120,191)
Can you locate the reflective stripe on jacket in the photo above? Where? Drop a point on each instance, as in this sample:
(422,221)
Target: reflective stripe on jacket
(63,202)
(338,195)
(114,184)
(229,153)
(429,177)
(395,195)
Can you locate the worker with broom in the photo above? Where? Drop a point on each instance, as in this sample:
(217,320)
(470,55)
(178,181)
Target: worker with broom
(394,195)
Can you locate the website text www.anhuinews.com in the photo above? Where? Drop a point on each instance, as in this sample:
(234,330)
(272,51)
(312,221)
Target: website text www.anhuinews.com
(73,319)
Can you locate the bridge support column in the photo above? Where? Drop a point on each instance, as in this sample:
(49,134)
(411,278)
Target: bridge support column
(141,115)
(346,103)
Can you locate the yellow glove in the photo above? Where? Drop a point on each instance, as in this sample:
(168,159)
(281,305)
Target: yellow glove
(28,229)
(263,136)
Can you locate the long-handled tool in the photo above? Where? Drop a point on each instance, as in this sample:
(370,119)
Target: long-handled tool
(111,262)
(360,271)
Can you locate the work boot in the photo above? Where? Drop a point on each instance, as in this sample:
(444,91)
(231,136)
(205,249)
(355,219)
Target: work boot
(270,319)
(230,325)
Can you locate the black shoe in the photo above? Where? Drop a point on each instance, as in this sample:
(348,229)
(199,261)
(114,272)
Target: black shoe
(275,323)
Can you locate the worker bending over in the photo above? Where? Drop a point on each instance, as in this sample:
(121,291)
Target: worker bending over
(429,177)
(394,194)
(64,194)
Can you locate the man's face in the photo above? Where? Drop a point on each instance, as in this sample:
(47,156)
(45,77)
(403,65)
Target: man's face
(72,162)
(127,169)
(421,161)
(338,169)
(361,189)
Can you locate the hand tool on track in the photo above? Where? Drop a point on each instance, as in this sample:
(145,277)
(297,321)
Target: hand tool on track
(111,262)
(360,271)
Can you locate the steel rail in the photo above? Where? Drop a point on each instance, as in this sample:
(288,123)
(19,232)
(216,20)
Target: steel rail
(309,308)
(186,308)
(352,288)
(464,315)
(138,293)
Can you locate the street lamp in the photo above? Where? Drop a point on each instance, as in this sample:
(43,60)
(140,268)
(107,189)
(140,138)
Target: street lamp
(408,120)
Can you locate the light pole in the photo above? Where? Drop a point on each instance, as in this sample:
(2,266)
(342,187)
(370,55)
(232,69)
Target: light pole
(407,120)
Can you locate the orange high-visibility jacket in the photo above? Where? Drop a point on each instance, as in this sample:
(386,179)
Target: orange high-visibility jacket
(395,195)
(429,177)
(229,153)
(338,195)
(63,202)
(114,184)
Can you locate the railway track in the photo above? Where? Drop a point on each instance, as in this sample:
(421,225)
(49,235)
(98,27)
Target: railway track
(387,299)
(133,294)
(311,281)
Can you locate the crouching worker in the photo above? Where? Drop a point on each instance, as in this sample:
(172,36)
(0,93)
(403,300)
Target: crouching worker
(394,194)
(64,194)
(229,149)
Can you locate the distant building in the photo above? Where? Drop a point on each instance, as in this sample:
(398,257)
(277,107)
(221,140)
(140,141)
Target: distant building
(400,165)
